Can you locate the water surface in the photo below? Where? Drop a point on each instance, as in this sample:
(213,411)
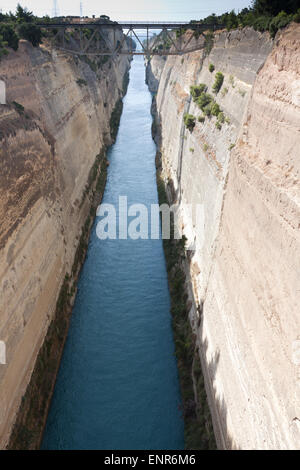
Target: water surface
(117,387)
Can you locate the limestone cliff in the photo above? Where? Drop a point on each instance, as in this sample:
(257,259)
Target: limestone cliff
(244,257)
(55,123)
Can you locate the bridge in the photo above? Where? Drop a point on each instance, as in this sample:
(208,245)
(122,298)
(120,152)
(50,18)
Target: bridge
(100,38)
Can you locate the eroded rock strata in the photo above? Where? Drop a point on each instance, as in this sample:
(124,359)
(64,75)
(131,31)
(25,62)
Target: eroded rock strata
(53,134)
(243,264)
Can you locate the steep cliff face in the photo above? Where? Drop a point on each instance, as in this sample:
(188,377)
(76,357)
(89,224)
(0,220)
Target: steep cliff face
(56,122)
(243,266)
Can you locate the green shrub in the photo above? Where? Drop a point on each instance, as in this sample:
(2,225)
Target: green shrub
(297,16)
(215,109)
(23,15)
(218,125)
(196,90)
(262,23)
(218,82)
(30,32)
(3,50)
(211,68)
(203,100)
(189,121)
(263,15)
(81,82)
(207,109)
(231,21)
(115,119)
(201,118)
(221,118)
(280,21)
(19,108)
(9,36)
(272,8)
(224,91)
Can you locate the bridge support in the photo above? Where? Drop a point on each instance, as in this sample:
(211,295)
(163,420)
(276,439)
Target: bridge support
(94,38)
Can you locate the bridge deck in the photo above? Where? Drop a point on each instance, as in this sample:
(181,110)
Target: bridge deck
(132,24)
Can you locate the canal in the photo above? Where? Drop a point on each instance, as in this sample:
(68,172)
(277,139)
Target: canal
(117,387)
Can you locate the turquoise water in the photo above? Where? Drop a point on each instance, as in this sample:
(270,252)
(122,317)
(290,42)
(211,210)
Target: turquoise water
(117,386)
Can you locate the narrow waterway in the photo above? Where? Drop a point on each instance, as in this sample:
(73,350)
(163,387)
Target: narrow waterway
(117,386)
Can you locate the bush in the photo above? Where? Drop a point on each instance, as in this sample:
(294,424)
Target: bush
(3,50)
(262,23)
(221,118)
(272,8)
(207,109)
(218,82)
(30,32)
(215,109)
(189,121)
(201,118)
(224,91)
(218,125)
(196,90)
(260,16)
(297,16)
(23,15)
(19,107)
(231,21)
(203,100)
(211,68)
(81,82)
(9,36)
(280,21)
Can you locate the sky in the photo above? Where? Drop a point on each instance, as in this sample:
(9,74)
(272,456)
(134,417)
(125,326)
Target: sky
(147,10)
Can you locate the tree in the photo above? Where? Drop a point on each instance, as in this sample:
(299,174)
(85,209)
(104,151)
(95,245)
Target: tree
(231,21)
(30,32)
(273,7)
(9,36)
(23,15)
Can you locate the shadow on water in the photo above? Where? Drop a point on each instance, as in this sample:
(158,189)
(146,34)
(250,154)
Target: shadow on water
(117,386)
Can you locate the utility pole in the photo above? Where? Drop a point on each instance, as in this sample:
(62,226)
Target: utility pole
(81,10)
(55,9)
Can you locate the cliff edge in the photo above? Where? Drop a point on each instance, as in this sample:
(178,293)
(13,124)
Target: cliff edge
(53,134)
(241,167)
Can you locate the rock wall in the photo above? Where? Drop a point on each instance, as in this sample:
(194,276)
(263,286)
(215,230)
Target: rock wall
(243,261)
(55,123)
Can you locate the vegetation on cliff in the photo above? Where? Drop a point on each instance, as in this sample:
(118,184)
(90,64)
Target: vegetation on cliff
(20,25)
(23,25)
(27,431)
(207,103)
(262,15)
(198,429)
(189,121)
